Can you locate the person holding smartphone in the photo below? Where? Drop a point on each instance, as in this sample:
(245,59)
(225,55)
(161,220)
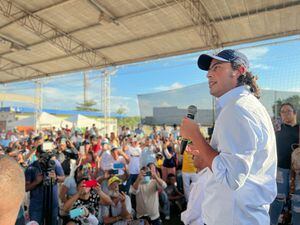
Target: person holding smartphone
(146,188)
(120,212)
(88,197)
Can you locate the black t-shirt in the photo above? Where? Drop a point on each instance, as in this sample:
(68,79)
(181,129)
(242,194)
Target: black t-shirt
(287,136)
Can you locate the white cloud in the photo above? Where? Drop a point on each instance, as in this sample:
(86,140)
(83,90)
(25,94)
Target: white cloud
(121,98)
(259,66)
(255,53)
(130,104)
(164,104)
(171,87)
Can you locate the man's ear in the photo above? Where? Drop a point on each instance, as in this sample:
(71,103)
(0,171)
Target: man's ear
(242,69)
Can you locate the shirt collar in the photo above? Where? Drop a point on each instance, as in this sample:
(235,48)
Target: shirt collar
(222,101)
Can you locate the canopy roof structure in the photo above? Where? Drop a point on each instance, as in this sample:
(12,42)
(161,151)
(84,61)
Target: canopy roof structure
(46,38)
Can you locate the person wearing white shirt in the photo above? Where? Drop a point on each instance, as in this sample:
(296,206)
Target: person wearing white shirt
(164,132)
(241,157)
(175,132)
(134,153)
(106,159)
(148,154)
(120,160)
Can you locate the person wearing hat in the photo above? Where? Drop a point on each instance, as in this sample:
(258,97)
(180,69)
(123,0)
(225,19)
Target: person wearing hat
(105,157)
(120,211)
(286,138)
(240,161)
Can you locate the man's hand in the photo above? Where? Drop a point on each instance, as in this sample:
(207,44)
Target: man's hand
(141,175)
(188,128)
(122,197)
(86,211)
(192,150)
(39,178)
(98,189)
(52,175)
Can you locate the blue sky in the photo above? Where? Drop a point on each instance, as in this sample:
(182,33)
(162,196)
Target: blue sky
(277,65)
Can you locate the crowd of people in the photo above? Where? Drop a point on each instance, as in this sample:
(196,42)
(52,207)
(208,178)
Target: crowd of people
(130,177)
(124,178)
(237,177)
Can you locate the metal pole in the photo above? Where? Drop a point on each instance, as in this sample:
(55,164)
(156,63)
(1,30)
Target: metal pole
(38,104)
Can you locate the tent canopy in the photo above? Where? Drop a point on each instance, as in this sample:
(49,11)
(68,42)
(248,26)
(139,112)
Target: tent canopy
(46,120)
(81,121)
(46,38)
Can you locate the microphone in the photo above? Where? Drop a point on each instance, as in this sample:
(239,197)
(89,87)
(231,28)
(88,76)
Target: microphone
(192,110)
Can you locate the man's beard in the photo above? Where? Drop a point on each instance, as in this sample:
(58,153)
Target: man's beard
(113,193)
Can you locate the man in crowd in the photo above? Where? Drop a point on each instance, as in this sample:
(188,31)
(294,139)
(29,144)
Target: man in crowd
(148,154)
(241,158)
(35,176)
(146,188)
(285,138)
(134,153)
(120,212)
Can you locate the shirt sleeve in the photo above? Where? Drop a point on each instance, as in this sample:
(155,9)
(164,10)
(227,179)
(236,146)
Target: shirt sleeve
(67,182)
(128,204)
(58,169)
(132,190)
(105,210)
(237,144)
(29,175)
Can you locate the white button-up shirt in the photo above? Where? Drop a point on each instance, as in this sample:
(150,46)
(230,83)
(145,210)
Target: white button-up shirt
(243,180)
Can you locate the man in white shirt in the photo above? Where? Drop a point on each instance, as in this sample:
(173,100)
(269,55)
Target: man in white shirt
(241,157)
(106,159)
(134,153)
(148,154)
(146,188)
(164,132)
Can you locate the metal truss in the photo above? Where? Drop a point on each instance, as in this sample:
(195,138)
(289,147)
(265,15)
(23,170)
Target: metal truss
(38,103)
(50,33)
(18,70)
(201,19)
(105,95)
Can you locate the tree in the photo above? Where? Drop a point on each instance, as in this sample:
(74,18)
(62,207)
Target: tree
(121,111)
(131,122)
(87,106)
(294,100)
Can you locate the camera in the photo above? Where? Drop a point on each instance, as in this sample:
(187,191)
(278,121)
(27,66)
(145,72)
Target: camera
(46,163)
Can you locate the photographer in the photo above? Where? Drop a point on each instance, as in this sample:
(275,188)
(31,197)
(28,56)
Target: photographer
(36,175)
(146,189)
(120,211)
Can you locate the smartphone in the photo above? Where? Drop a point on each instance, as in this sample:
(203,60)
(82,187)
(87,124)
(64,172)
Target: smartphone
(148,173)
(90,183)
(76,212)
(82,150)
(118,166)
(47,146)
(113,172)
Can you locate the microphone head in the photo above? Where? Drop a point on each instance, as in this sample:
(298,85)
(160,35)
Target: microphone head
(192,110)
